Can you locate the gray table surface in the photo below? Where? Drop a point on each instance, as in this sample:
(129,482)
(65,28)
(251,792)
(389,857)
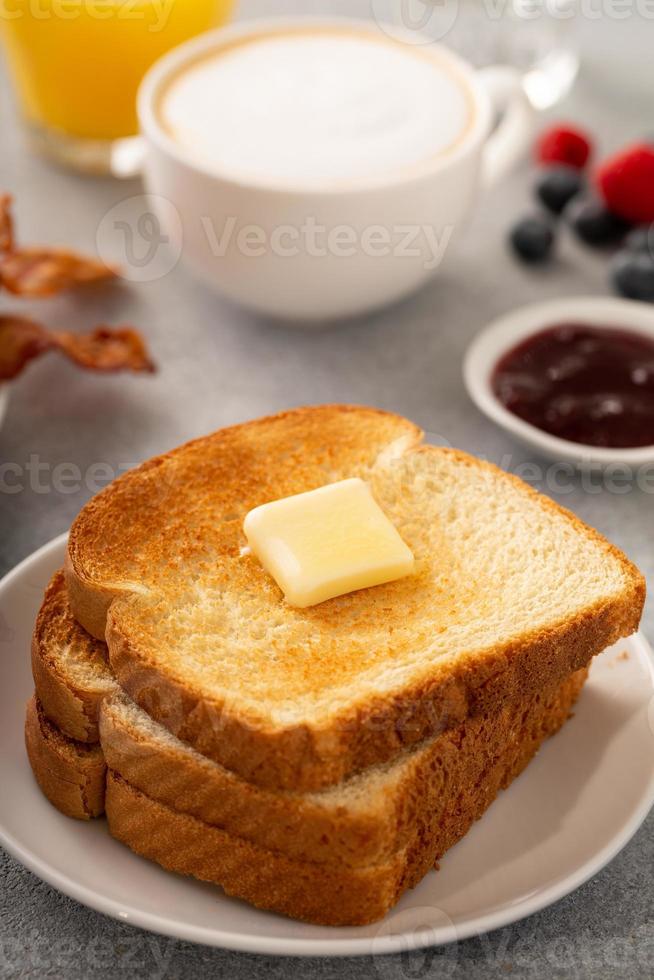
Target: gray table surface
(220,365)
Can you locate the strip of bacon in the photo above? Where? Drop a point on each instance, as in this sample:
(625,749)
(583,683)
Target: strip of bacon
(21,340)
(106,349)
(6,224)
(103,349)
(41,271)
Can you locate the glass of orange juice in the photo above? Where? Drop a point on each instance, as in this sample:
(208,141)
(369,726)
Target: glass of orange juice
(77,64)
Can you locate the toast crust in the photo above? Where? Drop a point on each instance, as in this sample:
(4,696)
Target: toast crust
(70,774)
(305,756)
(324,827)
(362,432)
(313,892)
(320,827)
(72,704)
(304,759)
(265,879)
(271,879)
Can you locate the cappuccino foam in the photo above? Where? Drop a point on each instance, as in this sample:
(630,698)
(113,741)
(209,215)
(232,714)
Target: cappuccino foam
(314,107)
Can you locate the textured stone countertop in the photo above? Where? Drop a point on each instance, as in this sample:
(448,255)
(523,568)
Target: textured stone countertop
(220,365)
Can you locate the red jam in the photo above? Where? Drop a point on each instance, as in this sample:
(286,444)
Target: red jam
(591,385)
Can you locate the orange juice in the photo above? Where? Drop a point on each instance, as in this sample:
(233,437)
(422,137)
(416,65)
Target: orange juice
(77,64)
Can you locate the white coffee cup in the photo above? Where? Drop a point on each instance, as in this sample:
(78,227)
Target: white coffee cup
(379,239)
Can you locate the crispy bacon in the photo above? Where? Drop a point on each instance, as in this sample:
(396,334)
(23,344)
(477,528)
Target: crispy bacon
(21,340)
(103,349)
(106,349)
(43,271)
(6,224)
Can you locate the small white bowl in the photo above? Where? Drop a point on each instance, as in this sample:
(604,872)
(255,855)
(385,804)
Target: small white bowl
(503,334)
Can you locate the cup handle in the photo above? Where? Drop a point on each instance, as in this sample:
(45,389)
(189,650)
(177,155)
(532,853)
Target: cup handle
(127,157)
(513,134)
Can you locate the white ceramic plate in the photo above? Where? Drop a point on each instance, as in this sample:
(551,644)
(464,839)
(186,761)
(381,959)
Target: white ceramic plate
(504,333)
(4,398)
(576,806)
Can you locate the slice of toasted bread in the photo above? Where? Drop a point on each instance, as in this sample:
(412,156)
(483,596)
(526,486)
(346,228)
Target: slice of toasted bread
(511,594)
(363,821)
(71,774)
(70,667)
(267,879)
(319,892)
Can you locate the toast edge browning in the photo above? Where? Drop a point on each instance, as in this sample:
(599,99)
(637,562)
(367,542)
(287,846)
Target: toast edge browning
(303,758)
(183,843)
(299,827)
(90,600)
(74,710)
(309,892)
(265,879)
(70,775)
(422,800)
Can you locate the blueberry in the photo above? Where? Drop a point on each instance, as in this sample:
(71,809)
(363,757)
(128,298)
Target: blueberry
(557,186)
(532,239)
(594,224)
(641,239)
(633,275)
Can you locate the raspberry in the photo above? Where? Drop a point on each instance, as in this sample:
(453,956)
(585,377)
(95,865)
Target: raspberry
(564,144)
(626,182)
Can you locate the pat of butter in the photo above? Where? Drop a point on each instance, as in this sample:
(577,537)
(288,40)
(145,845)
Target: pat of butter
(327,542)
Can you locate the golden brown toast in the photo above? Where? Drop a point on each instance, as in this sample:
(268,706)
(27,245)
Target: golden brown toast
(70,668)
(315,891)
(364,820)
(71,774)
(318,892)
(510,596)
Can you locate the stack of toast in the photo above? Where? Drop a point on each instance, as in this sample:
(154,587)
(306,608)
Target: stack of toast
(316,762)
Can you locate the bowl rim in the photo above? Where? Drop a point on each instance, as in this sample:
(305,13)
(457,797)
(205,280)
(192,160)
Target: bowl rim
(504,332)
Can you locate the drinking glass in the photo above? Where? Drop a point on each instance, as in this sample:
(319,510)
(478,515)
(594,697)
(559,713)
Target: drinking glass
(76,66)
(536,37)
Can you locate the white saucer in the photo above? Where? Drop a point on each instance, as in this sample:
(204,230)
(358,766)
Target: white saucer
(505,332)
(576,806)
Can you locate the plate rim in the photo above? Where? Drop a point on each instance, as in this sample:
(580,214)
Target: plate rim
(4,399)
(335,948)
